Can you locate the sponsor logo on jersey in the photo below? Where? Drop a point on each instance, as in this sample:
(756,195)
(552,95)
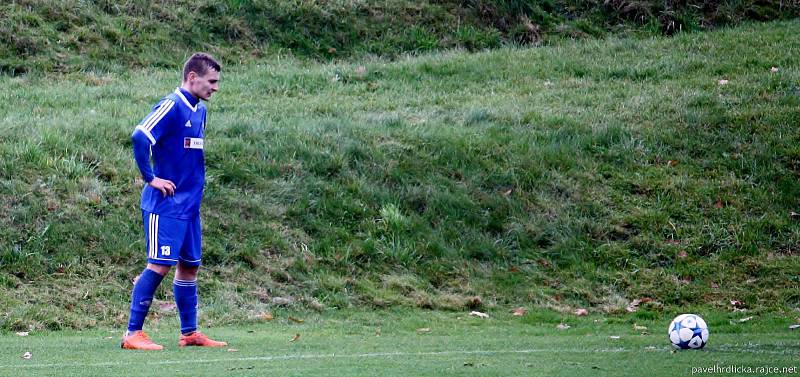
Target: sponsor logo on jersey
(193,143)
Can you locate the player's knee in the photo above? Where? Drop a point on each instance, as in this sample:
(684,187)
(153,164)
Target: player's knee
(160,269)
(186,272)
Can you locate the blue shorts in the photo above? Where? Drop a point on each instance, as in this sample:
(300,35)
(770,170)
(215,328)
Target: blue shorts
(170,240)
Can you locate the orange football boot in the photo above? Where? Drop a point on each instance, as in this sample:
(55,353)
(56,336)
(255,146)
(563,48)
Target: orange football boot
(139,341)
(199,339)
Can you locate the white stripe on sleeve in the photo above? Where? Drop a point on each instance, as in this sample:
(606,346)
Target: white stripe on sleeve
(147,133)
(159,114)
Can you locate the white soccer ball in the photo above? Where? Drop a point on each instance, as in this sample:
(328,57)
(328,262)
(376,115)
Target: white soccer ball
(688,331)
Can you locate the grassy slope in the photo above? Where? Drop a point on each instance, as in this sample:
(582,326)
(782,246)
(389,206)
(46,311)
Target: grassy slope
(75,35)
(583,174)
(347,344)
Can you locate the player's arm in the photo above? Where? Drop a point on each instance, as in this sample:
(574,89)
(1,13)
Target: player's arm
(147,134)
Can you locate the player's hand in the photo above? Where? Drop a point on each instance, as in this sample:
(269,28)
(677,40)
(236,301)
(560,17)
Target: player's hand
(164,185)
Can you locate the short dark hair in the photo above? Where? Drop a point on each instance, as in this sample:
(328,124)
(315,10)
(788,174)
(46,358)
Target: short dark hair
(200,63)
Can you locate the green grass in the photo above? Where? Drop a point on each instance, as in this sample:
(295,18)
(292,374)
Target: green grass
(585,174)
(389,343)
(76,35)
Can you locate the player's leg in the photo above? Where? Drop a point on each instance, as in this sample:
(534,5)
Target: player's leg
(142,295)
(185,288)
(160,240)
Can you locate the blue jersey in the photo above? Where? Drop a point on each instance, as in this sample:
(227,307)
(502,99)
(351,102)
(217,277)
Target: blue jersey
(173,132)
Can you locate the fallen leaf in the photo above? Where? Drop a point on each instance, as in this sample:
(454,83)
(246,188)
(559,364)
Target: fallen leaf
(745,319)
(562,326)
(232,350)
(614,336)
(639,328)
(296,320)
(543,263)
(773,69)
(295,338)
(378,332)
(650,348)
(672,162)
(633,306)
(513,269)
(478,314)
(520,311)
(22,333)
(714,285)
(423,330)
(331,50)
(580,312)
(718,204)
(682,254)
(27,356)
(267,316)
(723,82)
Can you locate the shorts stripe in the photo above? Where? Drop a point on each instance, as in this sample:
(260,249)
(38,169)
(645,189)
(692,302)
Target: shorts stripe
(153,229)
(150,236)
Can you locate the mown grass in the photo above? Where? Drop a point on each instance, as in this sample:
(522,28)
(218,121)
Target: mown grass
(424,343)
(582,174)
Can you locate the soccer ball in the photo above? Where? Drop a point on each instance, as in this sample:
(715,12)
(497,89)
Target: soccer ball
(688,331)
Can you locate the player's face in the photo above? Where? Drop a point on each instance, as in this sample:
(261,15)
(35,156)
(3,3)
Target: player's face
(204,86)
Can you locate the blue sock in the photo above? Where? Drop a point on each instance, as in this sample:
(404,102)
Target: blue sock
(186,300)
(142,297)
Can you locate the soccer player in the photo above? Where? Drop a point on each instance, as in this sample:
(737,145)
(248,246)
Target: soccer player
(172,135)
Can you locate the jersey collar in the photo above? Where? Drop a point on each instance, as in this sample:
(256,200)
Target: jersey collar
(187,98)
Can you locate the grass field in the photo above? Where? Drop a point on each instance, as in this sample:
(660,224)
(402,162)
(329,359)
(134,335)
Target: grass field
(394,343)
(375,198)
(586,174)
